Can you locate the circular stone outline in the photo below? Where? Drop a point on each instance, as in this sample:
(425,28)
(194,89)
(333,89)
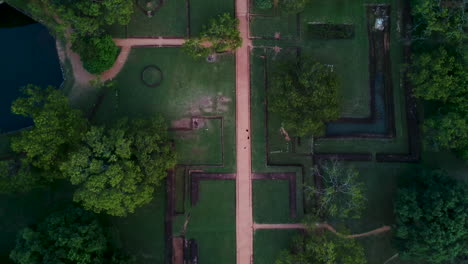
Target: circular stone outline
(155,84)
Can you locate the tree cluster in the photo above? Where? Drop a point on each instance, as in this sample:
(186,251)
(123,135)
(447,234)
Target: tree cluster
(305,96)
(116,168)
(221,35)
(69,236)
(342,193)
(341,196)
(438,72)
(324,248)
(88,21)
(432,219)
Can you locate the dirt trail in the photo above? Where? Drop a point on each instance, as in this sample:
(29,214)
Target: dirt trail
(322,226)
(244,216)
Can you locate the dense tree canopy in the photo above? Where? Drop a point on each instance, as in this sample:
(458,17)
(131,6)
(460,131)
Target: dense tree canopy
(432,219)
(222,34)
(57,126)
(117,169)
(305,96)
(88,18)
(70,236)
(434,19)
(438,75)
(448,132)
(16,176)
(325,248)
(342,194)
(97,53)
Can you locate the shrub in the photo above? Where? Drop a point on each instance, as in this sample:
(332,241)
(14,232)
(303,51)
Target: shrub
(97,53)
(264,4)
(293,6)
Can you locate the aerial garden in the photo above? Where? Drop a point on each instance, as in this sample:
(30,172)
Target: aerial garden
(359,120)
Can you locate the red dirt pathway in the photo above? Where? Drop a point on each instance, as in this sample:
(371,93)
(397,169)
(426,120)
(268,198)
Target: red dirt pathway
(244,215)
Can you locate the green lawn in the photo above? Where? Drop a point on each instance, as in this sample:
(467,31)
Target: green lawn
(142,233)
(170,21)
(213,222)
(269,243)
(267,26)
(189,88)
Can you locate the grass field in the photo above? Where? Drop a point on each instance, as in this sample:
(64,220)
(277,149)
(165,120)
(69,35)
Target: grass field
(189,88)
(170,20)
(213,222)
(142,233)
(268,244)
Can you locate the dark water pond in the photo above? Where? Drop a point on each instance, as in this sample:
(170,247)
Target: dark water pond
(27,56)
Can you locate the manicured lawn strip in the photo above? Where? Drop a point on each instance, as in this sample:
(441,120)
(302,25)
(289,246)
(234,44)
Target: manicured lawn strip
(269,243)
(202,146)
(180,184)
(266,27)
(202,11)
(21,210)
(170,21)
(271,201)
(187,88)
(257,110)
(142,233)
(213,222)
(379,249)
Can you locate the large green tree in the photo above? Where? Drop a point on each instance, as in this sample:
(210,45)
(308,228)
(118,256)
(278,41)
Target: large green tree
(119,168)
(305,96)
(448,132)
(70,236)
(438,75)
(342,193)
(97,53)
(323,248)
(89,18)
(432,218)
(435,19)
(57,127)
(222,34)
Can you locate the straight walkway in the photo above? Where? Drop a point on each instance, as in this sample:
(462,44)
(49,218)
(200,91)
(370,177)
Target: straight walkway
(244,216)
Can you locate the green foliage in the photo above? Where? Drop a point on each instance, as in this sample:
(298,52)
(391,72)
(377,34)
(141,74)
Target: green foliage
(264,4)
(222,34)
(438,75)
(70,236)
(432,219)
(305,96)
(56,128)
(326,248)
(17,176)
(448,132)
(342,194)
(194,48)
(433,19)
(118,169)
(293,6)
(88,18)
(97,53)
